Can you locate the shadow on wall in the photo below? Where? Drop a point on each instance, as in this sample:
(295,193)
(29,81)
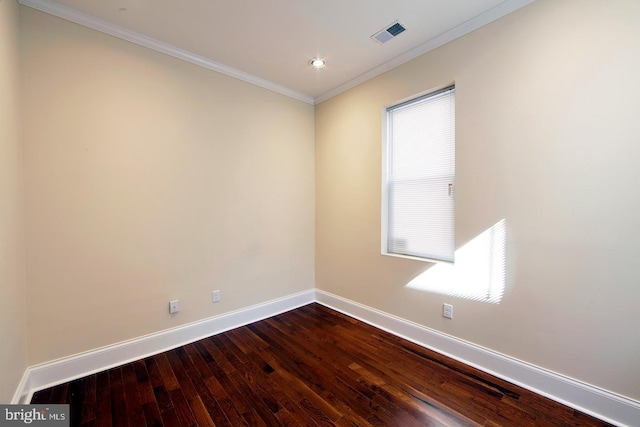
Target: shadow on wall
(479,273)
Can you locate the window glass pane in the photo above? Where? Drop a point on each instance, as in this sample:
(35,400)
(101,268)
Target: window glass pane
(420,177)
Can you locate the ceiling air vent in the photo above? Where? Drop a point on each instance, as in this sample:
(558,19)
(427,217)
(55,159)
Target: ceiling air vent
(388,33)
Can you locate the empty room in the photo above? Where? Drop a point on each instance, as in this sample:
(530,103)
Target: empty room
(303,212)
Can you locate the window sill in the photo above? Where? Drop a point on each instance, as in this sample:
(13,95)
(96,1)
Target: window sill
(416,258)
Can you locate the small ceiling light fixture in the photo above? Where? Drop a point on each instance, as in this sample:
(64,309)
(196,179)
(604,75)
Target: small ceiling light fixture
(317,62)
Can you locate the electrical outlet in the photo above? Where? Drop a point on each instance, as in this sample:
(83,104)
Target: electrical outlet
(174,306)
(447,311)
(215,296)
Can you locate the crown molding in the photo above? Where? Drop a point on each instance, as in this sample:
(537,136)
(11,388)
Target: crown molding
(81,18)
(466,27)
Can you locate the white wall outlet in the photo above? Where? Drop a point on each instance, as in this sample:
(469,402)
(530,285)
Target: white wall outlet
(174,306)
(215,296)
(447,311)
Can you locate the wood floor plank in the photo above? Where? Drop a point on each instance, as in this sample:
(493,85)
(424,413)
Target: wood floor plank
(210,382)
(226,402)
(59,393)
(299,366)
(42,396)
(88,406)
(168,377)
(75,394)
(348,395)
(349,382)
(390,401)
(183,410)
(408,368)
(103,400)
(135,411)
(144,384)
(216,354)
(211,404)
(170,418)
(262,372)
(310,366)
(118,398)
(264,408)
(220,378)
(428,414)
(163,399)
(152,414)
(203,418)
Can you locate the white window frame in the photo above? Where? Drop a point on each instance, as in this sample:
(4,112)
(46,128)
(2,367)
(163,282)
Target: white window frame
(384,241)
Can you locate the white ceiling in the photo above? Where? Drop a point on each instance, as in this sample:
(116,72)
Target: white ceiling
(269,42)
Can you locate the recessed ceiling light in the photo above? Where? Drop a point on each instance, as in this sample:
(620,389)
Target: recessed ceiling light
(317,62)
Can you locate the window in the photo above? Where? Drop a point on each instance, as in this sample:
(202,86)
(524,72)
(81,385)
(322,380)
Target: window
(419,177)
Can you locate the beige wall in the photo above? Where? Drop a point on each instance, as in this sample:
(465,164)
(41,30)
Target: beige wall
(548,138)
(13,316)
(150,179)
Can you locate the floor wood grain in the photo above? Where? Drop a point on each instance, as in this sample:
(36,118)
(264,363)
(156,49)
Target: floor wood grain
(308,367)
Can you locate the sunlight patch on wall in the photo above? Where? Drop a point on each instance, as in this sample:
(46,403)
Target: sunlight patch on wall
(479,272)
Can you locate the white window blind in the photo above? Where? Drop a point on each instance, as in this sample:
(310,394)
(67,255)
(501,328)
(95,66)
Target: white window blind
(420,177)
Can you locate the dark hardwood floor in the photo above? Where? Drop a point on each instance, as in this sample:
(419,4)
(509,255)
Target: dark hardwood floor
(312,367)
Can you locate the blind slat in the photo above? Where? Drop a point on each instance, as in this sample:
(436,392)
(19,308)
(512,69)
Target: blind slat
(420,175)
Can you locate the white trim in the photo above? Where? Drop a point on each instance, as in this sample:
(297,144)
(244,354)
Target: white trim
(80,365)
(473,24)
(23,392)
(602,404)
(73,15)
(605,405)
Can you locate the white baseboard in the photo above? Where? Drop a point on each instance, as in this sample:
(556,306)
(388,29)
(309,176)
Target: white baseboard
(69,368)
(605,405)
(23,391)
